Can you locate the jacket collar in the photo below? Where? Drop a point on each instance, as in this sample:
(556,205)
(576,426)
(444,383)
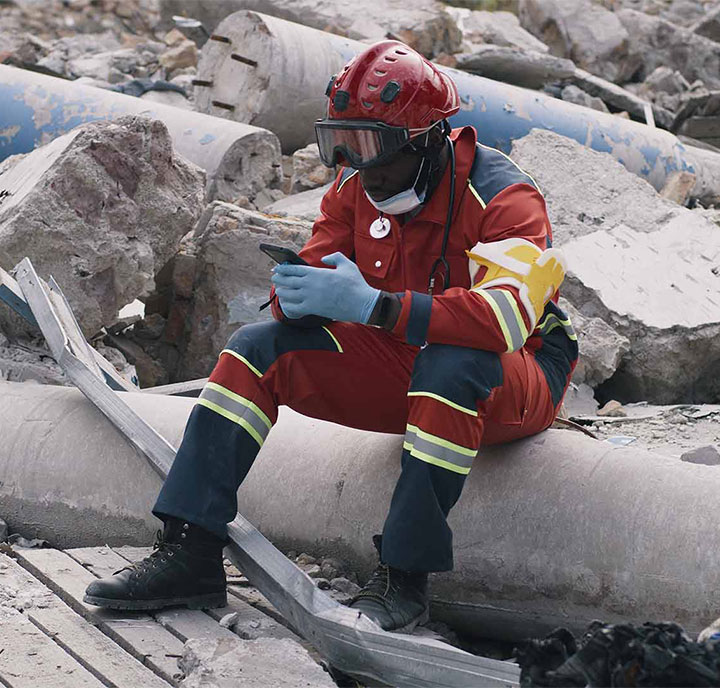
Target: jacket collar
(465,140)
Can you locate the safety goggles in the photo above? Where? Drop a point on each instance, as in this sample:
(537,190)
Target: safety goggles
(359,143)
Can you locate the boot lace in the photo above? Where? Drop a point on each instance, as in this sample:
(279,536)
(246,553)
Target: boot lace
(161,547)
(380,585)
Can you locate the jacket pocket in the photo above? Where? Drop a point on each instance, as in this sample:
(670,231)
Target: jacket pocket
(375,258)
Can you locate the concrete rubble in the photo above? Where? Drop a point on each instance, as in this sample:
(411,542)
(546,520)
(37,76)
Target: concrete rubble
(308,171)
(101,209)
(592,36)
(216,283)
(425,25)
(261,663)
(622,233)
(480,27)
(655,42)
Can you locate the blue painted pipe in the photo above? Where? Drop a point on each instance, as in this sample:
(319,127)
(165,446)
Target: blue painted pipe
(239,159)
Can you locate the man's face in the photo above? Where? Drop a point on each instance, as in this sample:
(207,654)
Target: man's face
(395,175)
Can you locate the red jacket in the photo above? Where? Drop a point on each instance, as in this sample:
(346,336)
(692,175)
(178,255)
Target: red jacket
(494,200)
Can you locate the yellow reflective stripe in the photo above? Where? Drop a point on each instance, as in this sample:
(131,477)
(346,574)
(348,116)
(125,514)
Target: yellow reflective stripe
(435,462)
(234,418)
(498,316)
(243,359)
(552,321)
(552,316)
(241,400)
(437,397)
(337,343)
(442,442)
(477,195)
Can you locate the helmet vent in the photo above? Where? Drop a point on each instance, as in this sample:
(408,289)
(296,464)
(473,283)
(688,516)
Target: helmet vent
(372,87)
(390,59)
(380,72)
(400,52)
(367,104)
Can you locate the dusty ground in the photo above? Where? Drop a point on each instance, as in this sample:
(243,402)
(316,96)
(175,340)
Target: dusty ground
(668,430)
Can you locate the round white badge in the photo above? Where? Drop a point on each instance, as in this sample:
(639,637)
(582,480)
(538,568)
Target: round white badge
(380,228)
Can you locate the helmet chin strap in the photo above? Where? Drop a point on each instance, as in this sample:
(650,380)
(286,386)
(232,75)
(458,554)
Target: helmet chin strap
(445,275)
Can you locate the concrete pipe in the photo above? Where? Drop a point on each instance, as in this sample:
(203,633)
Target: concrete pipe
(555,529)
(273,73)
(239,159)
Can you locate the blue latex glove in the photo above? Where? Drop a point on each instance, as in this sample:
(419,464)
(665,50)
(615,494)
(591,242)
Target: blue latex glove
(339,294)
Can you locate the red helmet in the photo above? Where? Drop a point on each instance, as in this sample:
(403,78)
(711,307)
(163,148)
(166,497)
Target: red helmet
(383,97)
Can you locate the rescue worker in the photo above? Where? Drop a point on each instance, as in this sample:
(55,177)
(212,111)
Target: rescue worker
(427,309)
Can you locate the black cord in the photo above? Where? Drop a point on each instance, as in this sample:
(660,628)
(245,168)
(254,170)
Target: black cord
(448,221)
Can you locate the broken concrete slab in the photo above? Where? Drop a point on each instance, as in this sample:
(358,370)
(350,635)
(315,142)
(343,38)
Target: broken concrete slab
(621,98)
(705,129)
(573,94)
(616,231)
(601,347)
(709,25)
(101,209)
(587,33)
(518,66)
(261,663)
(304,206)
(654,42)
(232,279)
(497,28)
(309,172)
(666,79)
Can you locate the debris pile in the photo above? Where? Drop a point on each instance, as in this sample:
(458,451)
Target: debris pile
(654,654)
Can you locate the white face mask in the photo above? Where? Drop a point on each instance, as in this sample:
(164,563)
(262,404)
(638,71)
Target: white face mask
(405,201)
(400,203)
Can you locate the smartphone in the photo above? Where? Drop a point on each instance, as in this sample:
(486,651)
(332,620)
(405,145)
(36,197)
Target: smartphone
(282,254)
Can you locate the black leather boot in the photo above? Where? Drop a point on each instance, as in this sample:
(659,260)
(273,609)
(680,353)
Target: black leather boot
(185,569)
(395,600)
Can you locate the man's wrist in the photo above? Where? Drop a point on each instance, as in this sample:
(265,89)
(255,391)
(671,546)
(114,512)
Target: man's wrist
(387,310)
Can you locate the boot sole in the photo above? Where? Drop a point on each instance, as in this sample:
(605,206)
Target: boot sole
(210,601)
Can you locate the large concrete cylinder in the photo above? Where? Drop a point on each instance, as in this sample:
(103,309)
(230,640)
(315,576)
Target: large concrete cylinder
(239,159)
(273,73)
(555,529)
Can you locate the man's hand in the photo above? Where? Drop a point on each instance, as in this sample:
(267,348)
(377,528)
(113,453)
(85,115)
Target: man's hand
(339,294)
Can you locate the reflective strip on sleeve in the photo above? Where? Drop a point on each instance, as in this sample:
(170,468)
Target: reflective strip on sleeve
(507,314)
(242,359)
(236,409)
(438,451)
(552,321)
